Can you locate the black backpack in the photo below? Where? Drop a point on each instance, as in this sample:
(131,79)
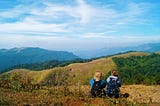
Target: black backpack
(113,87)
(96,89)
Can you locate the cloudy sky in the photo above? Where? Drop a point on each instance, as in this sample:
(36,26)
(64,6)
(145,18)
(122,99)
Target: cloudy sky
(78,24)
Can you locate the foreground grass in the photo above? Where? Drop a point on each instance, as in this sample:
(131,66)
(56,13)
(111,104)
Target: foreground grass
(59,96)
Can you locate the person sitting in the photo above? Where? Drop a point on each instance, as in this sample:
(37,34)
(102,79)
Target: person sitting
(113,84)
(97,85)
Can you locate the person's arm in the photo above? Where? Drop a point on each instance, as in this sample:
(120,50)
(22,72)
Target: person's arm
(103,83)
(91,82)
(108,79)
(119,82)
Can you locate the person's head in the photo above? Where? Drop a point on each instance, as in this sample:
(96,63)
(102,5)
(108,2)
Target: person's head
(97,75)
(114,73)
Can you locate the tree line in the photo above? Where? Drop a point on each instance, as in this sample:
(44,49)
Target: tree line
(139,69)
(46,65)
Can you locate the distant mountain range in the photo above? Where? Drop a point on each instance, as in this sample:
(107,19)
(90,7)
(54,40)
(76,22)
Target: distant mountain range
(152,47)
(15,56)
(29,55)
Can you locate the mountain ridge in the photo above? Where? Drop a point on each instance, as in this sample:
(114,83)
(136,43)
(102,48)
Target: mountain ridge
(149,47)
(15,56)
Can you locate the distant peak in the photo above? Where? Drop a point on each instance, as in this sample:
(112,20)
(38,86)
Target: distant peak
(16,49)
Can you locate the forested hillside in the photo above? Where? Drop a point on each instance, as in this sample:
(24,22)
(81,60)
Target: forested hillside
(46,65)
(139,69)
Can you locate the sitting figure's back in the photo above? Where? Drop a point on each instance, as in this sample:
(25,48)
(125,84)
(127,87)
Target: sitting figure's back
(113,84)
(97,85)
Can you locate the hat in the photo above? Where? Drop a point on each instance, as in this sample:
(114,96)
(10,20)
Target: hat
(97,75)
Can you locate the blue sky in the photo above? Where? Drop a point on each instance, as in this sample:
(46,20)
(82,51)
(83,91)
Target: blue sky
(78,24)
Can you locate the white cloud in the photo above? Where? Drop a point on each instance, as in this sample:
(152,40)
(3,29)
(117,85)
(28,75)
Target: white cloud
(85,11)
(46,17)
(24,27)
(87,24)
(94,35)
(133,13)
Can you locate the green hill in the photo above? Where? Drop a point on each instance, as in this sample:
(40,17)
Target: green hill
(21,78)
(139,69)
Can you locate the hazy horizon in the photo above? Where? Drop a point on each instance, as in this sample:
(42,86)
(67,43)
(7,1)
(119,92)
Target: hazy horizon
(72,25)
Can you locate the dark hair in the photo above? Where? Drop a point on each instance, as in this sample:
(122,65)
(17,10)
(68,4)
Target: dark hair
(114,73)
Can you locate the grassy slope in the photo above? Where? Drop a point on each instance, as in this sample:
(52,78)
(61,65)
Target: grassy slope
(158,52)
(142,93)
(35,76)
(84,71)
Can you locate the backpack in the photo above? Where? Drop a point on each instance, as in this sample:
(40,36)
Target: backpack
(113,88)
(96,89)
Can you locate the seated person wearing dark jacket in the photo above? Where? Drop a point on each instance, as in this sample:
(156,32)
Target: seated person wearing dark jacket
(113,84)
(97,85)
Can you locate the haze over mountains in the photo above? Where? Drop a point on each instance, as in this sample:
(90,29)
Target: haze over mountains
(151,47)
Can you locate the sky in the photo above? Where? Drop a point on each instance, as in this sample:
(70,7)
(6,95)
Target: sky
(78,24)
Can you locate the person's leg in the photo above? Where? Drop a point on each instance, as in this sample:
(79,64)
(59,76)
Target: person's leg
(91,94)
(116,93)
(103,93)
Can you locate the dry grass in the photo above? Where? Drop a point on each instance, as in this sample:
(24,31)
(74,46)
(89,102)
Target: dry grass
(36,76)
(158,52)
(132,54)
(82,72)
(140,95)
